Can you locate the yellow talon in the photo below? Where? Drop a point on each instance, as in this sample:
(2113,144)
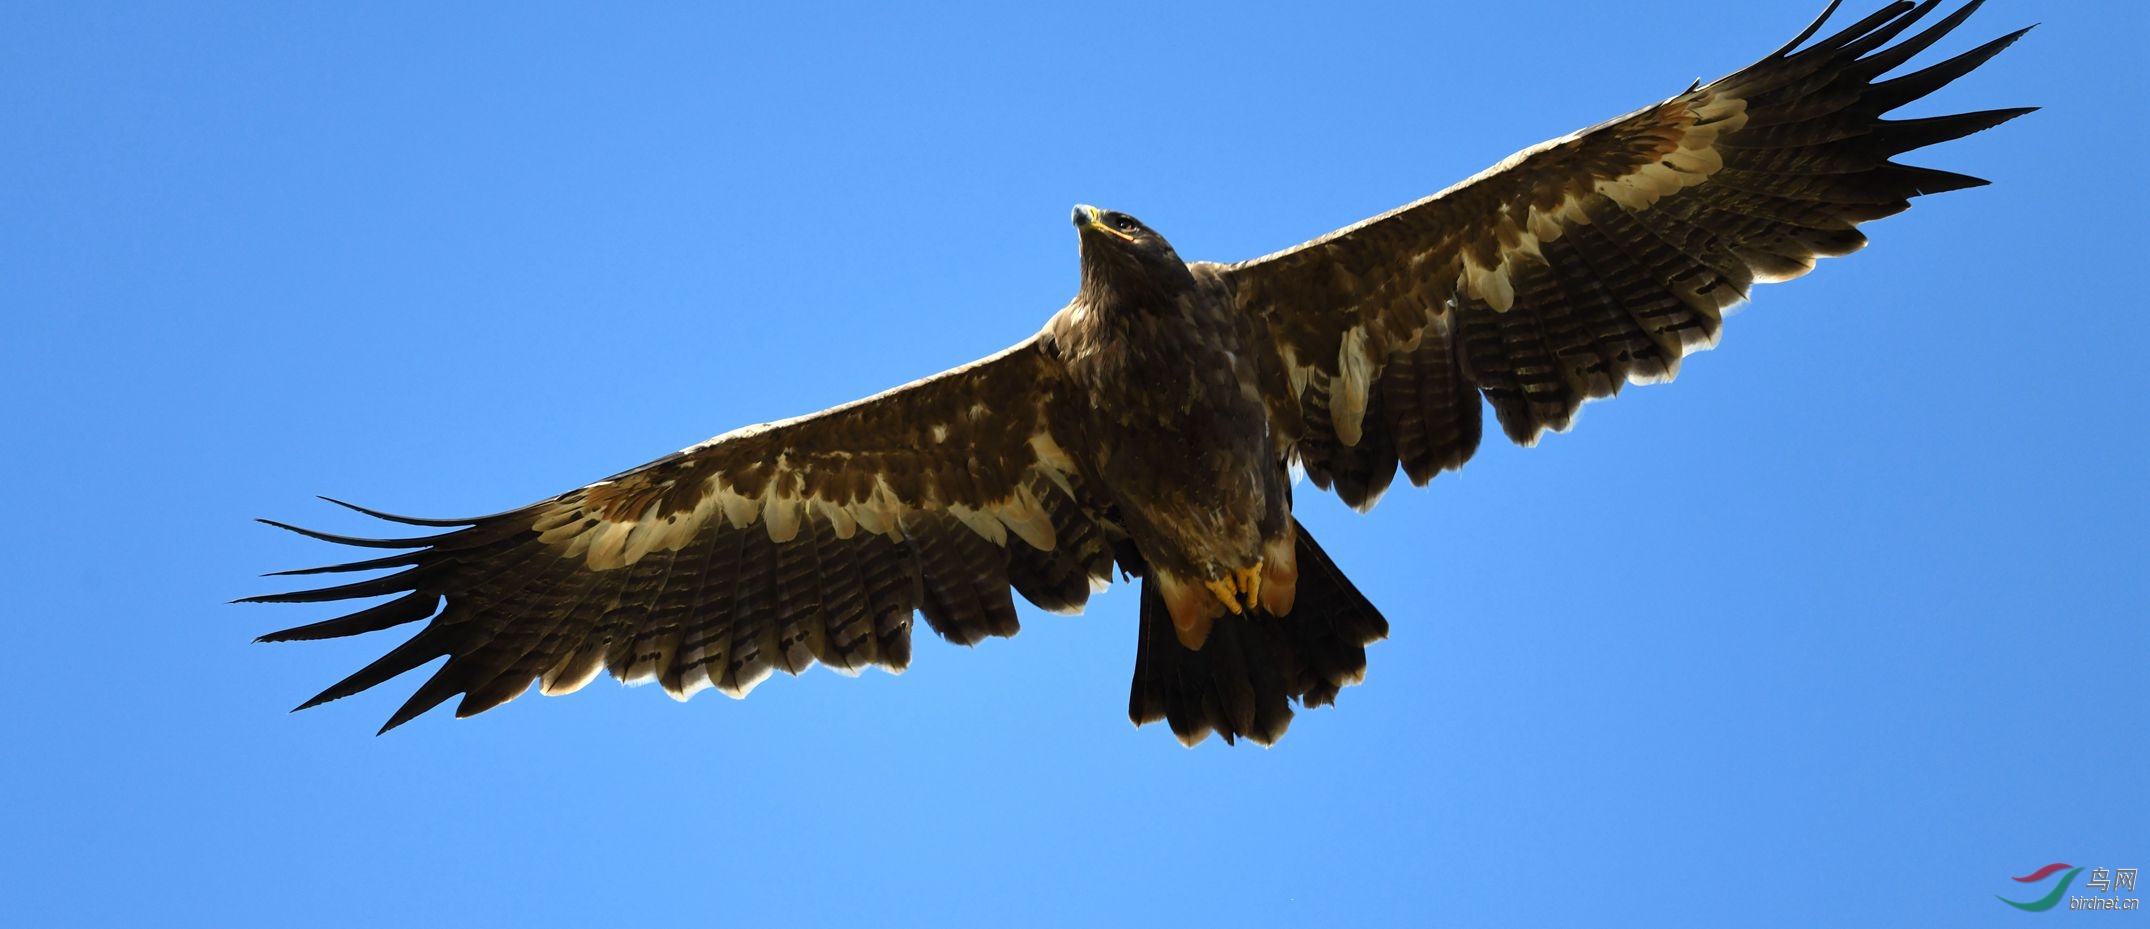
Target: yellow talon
(1225,593)
(1240,590)
(1250,585)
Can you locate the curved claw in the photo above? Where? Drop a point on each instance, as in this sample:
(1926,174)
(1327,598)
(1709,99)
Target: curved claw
(1239,590)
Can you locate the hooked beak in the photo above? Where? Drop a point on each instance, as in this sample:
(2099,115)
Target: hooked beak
(1089,218)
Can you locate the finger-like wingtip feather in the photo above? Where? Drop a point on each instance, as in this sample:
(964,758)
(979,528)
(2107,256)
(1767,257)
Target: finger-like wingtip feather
(1898,136)
(435,691)
(1854,44)
(1876,20)
(372,587)
(420,649)
(407,520)
(1890,94)
(390,561)
(1808,32)
(405,609)
(1927,181)
(346,539)
(1882,61)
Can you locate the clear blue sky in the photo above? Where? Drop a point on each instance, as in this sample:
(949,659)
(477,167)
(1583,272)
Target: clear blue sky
(1844,628)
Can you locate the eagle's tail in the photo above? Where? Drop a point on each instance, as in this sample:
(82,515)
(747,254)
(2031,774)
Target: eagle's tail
(1243,680)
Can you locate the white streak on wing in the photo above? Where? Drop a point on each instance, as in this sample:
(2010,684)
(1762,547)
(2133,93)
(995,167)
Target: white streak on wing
(1298,373)
(560,525)
(692,522)
(1623,191)
(1489,284)
(563,513)
(607,544)
(1544,226)
(980,522)
(887,509)
(740,511)
(1347,399)
(1661,180)
(1701,136)
(780,515)
(650,533)
(1550,225)
(1718,114)
(868,517)
(1026,517)
(839,519)
(1702,161)
(578,545)
(1053,461)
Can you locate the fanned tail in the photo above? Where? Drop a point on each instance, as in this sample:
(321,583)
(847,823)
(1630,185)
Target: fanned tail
(1252,668)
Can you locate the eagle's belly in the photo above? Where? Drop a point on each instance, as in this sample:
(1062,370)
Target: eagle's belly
(1201,495)
(1191,465)
(1194,509)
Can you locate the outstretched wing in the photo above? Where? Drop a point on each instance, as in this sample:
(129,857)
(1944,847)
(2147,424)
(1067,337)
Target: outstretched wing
(771,547)
(1596,259)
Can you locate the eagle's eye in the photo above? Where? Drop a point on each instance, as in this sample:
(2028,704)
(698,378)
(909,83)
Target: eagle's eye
(1124,223)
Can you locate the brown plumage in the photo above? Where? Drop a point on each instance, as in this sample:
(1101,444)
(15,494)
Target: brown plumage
(1149,428)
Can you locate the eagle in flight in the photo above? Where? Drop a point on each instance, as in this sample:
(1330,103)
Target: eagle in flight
(1149,428)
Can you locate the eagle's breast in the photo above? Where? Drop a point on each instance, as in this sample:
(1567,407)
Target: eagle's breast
(1179,435)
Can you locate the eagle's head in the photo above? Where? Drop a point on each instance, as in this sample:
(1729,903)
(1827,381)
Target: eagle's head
(1121,256)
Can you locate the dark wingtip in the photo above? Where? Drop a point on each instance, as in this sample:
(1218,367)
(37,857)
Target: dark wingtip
(428,696)
(406,520)
(409,608)
(1898,54)
(1898,136)
(1809,32)
(373,587)
(1929,181)
(371,564)
(348,539)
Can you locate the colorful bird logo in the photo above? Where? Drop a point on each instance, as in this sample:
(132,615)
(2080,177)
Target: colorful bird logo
(2046,902)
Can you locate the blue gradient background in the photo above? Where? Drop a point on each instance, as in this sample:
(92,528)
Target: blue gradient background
(1845,628)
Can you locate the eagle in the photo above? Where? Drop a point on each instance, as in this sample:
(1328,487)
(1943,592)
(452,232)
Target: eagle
(1151,428)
